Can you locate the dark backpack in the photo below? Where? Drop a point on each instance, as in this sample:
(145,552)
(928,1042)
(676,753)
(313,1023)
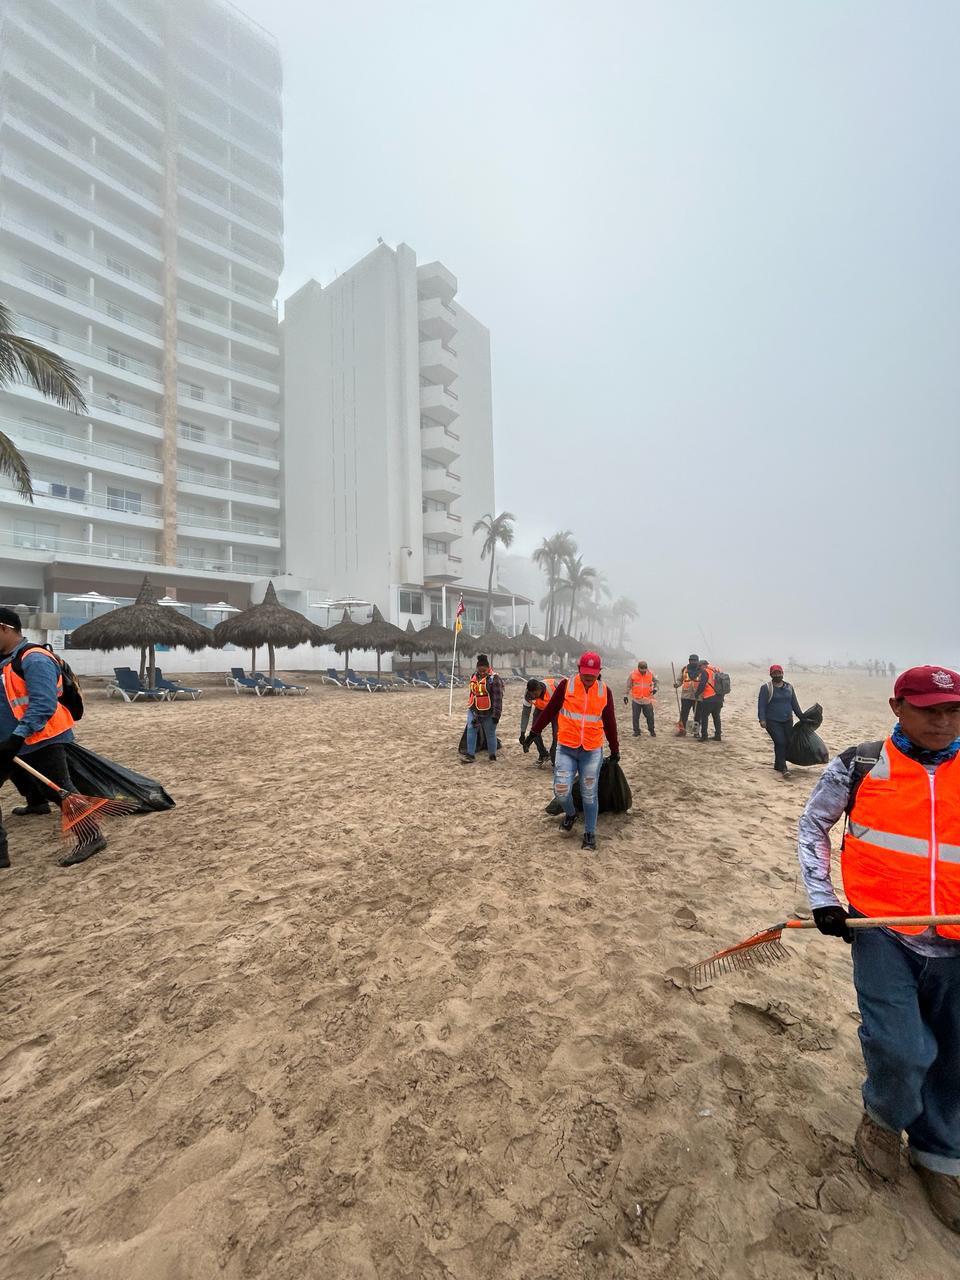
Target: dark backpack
(71,695)
(721,682)
(862,758)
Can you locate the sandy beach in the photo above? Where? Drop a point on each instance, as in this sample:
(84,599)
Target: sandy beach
(354,1012)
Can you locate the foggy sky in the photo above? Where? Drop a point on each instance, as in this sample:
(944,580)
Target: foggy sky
(717,250)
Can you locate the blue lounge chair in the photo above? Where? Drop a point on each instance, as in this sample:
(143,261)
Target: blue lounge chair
(173,687)
(131,688)
(361,682)
(280,686)
(331,677)
(423,680)
(247,683)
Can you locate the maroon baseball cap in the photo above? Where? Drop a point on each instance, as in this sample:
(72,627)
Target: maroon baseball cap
(928,686)
(589,664)
(776,667)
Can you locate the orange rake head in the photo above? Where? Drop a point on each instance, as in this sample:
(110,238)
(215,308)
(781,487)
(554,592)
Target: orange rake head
(80,816)
(759,949)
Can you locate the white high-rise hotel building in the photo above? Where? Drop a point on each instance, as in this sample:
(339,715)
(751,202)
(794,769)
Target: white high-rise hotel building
(141,238)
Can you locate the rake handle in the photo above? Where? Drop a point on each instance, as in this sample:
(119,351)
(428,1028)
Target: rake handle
(40,778)
(878,922)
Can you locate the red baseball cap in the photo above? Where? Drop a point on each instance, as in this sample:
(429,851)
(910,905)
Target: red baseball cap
(928,686)
(776,667)
(589,664)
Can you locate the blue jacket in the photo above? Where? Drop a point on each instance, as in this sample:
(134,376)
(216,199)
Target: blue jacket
(780,705)
(40,674)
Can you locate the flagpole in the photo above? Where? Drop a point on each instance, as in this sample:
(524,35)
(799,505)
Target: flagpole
(453,663)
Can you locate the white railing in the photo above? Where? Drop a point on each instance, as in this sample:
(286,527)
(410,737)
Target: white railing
(103,261)
(53,186)
(212,238)
(249,487)
(224,362)
(53,284)
(75,547)
(187,395)
(94,498)
(190,521)
(71,342)
(231,446)
(78,445)
(124,409)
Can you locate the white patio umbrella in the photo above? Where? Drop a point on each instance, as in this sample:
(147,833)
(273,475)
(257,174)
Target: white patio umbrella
(92,598)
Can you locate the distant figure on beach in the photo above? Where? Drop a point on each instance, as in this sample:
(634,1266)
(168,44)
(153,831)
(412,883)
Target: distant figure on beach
(538,695)
(709,703)
(584,711)
(687,684)
(892,671)
(776,707)
(901,857)
(34,723)
(484,706)
(642,686)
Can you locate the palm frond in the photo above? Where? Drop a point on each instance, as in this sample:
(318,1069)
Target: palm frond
(24,361)
(13,464)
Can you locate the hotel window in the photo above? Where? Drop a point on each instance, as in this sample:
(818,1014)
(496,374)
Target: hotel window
(124,500)
(433,547)
(411,602)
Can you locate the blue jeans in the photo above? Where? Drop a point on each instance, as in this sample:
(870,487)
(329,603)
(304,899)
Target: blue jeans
(910,1035)
(489,729)
(570,762)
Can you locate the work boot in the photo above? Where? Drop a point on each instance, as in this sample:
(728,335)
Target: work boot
(589,842)
(878,1149)
(4,856)
(468,759)
(84,851)
(943,1192)
(27,810)
(566,824)
(681,731)
(493,759)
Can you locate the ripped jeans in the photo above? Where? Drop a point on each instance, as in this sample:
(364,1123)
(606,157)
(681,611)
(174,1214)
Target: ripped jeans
(570,762)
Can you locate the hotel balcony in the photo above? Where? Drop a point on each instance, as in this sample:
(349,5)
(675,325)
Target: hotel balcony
(435,281)
(437,319)
(442,525)
(59,446)
(440,568)
(441,444)
(210,444)
(438,362)
(439,403)
(437,482)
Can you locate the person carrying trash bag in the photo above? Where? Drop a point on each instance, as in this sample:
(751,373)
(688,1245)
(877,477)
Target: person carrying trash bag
(900,856)
(485,704)
(776,707)
(539,693)
(584,710)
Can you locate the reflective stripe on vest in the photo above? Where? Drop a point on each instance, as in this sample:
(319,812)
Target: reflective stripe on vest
(709,689)
(551,687)
(642,685)
(901,849)
(580,722)
(479,693)
(18,697)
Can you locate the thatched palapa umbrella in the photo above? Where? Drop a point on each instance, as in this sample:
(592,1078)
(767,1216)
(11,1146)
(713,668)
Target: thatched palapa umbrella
(345,635)
(437,639)
(270,623)
(142,625)
(381,635)
(494,641)
(565,646)
(529,643)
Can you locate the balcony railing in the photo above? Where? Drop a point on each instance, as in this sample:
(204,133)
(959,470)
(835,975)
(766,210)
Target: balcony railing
(94,498)
(54,285)
(124,409)
(82,448)
(220,164)
(189,395)
(249,487)
(62,191)
(193,521)
(71,342)
(224,362)
(213,564)
(213,238)
(230,207)
(75,547)
(223,442)
(79,249)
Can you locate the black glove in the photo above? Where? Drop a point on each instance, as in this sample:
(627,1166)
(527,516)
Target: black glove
(614,757)
(10,747)
(496,719)
(832,921)
(522,739)
(625,699)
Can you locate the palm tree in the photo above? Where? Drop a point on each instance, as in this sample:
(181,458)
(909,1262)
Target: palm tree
(624,610)
(581,578)
(24,361)
(550,557)
(495,529)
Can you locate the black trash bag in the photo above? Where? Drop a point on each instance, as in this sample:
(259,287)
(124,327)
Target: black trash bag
(613,792)
(95,775)
(805,746)
(481,740)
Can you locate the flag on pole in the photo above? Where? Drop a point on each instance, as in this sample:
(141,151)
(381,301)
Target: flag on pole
(461,610)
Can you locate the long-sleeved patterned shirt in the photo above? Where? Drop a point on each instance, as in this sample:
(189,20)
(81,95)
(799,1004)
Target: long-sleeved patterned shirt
(826,806)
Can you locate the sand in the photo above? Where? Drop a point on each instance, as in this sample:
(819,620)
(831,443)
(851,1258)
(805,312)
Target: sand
(353,1010)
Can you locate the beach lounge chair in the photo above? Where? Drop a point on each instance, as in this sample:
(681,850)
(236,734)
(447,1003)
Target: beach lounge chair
(280,686)
(331,677)
(519,674)
(361,682)
(446,682)
(131,688)
(248,683)
(423,680)
(172,687)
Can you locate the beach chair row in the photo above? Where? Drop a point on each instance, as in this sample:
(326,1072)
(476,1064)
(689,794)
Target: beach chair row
(262,686)
(128,686)
(396,683)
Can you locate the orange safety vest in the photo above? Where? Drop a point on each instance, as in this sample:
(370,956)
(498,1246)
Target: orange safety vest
(642,685)
(688,684)
(709,689)
(15,687)
(541,702)
(479,693)
(580,722)
(901,848)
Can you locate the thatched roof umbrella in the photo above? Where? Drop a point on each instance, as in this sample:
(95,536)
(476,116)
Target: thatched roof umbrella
(269,623)
(529,643)
(143,624)
(437,639)
(381,635)
(408,646)
(494,641)
(564,645)
(345,635)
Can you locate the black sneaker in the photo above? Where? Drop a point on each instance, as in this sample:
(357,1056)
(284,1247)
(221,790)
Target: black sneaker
(492,759)
(589,841)
(468,759)
(27,810)
(4,856)
(84,851)
(566,824)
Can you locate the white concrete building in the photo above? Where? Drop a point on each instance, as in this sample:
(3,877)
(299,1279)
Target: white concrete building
(141,239)
(388,437)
